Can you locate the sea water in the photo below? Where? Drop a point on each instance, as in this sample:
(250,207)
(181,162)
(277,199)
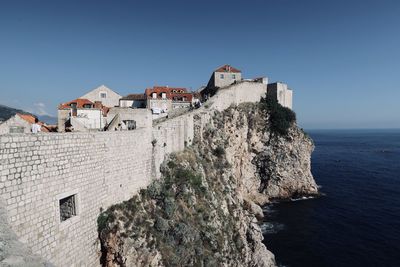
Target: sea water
(357,220)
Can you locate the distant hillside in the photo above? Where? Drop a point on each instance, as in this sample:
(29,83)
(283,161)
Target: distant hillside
(7,112)
(48,119)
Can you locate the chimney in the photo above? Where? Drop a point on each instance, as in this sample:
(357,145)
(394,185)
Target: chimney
(97,104)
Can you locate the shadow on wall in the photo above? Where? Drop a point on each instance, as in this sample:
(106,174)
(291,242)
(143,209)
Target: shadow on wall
(13,252)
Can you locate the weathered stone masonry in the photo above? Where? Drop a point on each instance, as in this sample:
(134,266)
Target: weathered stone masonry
(97,169)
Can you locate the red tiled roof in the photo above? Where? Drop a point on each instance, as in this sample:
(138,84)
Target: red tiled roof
(165,89)
(27,117)
(171,92)
(79,103)
(31,120)
(227,68)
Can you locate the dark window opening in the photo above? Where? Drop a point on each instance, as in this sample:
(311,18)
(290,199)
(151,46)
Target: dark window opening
(130,124)
(16,129)
(67,207)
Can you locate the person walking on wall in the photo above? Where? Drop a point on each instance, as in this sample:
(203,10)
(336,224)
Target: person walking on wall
(36,127)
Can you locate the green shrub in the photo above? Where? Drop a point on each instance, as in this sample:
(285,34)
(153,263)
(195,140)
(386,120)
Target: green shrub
(280,118)
(219,151)
(102,221)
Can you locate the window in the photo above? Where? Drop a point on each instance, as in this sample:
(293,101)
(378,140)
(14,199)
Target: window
(154,95)
(67,207)
(130,124)
(103,95)
(233,76)
(16,129)
(221,76)
(163,95)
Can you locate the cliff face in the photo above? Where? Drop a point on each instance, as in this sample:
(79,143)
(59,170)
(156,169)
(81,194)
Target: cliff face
(204,209)
(269,165)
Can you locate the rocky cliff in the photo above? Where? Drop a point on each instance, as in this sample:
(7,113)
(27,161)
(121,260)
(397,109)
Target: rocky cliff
(204,210)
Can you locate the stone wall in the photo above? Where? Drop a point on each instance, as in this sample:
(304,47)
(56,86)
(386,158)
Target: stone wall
(171,136)
(142,116)
(245,91)
(100,169)
(17,122)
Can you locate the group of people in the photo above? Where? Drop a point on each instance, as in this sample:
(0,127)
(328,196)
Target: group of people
(197,104)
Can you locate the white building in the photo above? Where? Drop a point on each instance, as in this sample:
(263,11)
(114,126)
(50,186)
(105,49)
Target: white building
(20,123)
(281,93)
(133,101)
(105,95)
(81,115)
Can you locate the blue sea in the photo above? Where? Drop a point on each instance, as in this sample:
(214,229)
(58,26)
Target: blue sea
(357,220)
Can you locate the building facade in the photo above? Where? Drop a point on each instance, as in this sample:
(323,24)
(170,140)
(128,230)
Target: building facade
(133,101)
(20,123)
(166,98)
(81,115)
(105,95)
(224,76)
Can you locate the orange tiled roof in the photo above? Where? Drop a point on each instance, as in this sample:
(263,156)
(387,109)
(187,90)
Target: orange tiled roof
(79,103)
(227,68)
(171,92)
(27,117)
(31,120)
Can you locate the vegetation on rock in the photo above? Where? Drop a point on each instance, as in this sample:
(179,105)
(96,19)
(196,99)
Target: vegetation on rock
(180,215)
(280,118)
(202,211)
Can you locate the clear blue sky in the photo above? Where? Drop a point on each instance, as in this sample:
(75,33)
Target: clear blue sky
(341,58)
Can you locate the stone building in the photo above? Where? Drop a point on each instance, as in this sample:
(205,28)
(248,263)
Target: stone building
(282,93)
(166,98)
(81,115)
(133,101)
(20,123)
(105,95)
(224,76)
(221,77)
(122,118)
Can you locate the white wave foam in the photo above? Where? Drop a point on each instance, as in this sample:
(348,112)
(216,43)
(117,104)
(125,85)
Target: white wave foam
(271,227)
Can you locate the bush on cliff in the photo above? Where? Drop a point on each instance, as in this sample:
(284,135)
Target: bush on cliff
(280,118)
(178,215)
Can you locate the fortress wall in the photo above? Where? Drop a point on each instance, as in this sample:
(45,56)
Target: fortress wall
(171,136)
(241,92)
(100,169)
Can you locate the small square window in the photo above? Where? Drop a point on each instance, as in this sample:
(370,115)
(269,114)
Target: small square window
(222,76)
(67,207)
(103,95)
(16,129)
